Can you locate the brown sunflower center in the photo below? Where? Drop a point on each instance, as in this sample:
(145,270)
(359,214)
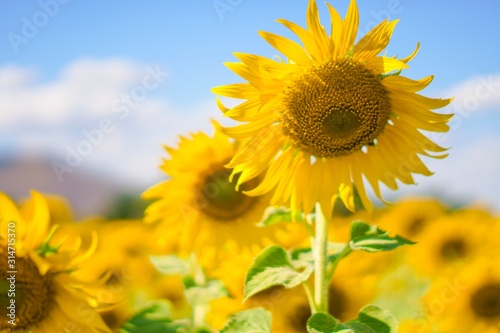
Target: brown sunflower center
(219,198)
(26,297)
(453,249)
(334,109)
(485,302)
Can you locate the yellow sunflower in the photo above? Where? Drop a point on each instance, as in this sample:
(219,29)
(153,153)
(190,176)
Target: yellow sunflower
(410,217)
(332,112)
(39,293)
(467,301)
(456,239)
(198,208)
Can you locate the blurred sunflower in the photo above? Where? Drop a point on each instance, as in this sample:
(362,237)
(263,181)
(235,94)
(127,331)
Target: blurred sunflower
(333,112)
(466,301)
(410,217)
(198,207)
(48,297)
(455,239)
(121,257)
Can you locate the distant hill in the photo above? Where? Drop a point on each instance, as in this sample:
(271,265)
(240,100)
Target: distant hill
(89,193)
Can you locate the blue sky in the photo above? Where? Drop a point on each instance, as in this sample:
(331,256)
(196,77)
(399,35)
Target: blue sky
(60,78)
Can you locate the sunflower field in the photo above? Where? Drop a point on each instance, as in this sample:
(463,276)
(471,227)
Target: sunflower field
(277,222)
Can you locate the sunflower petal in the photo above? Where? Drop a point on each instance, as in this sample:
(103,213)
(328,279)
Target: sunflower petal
(289,48)
(349,29)
(383,65)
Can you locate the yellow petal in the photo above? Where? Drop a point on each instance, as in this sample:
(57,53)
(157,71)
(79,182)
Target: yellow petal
(383,65)
(244,71)
(374,41)
(236,90)
(289,48)
(9,213)
(398,82)
(412,55)
(349,29)
(314,25)
(306,37)
(336,33)
(37,221)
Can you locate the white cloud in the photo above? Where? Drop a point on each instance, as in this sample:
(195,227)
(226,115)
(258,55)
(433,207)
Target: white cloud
(479,93)
(84,89)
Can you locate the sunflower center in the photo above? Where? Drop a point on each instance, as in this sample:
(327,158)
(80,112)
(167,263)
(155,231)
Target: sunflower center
(485,302)
(453,249)
(29,295)
(334,109)
(219,198)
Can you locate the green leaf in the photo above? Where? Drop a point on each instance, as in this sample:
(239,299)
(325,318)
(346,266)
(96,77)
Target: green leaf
(370,238)
(202,295)
(170,264)
(255,320)
(321,322)
(274,215)
(272,267)
(155,318)
(373,319)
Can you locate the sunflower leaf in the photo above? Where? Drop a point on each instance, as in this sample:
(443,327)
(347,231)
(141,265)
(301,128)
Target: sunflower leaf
(371,318)
(274,215)
(321,322)
(250,321)
(272,267)
(370,238)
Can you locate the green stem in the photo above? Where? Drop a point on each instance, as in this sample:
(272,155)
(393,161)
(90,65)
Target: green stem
(320,261)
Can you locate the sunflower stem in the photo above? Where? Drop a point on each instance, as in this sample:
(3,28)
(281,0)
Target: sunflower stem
(320,261)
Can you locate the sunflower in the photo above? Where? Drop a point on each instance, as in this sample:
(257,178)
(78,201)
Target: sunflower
(466,301)
(410,217)
(456,239)
(36,280)
(332,112)
(198,208)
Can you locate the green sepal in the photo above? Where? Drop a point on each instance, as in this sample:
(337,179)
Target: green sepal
(273,267)
(255,320)
(45,249)
(370,238)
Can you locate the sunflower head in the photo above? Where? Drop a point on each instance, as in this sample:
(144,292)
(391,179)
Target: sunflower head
(199,208)
(331,116)
(39,281)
